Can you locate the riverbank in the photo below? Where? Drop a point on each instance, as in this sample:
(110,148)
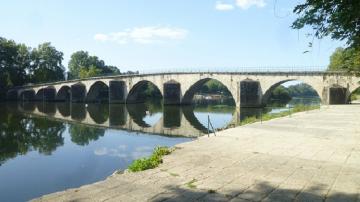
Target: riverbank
(310,156)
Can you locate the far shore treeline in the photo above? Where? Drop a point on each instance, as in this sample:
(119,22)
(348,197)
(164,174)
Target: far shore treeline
(21,64)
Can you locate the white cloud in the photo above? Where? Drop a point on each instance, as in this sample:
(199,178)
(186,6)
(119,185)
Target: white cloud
(221,6)
(143,35)
(245,4)
(101,37)
(101,151)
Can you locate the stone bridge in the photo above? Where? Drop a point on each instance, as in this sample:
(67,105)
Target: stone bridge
(250,89)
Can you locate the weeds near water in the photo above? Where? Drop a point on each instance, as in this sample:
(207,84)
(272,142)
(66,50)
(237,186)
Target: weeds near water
(266,117)
(191,184)
(150,162)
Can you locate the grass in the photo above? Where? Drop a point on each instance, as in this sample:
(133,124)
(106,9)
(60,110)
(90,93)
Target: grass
(174,174)
(191,184)
(266,117)
(150,162)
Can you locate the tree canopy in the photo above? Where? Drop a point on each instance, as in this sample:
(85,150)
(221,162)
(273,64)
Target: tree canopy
(46,64)
(335,18)
(82,65)
(20,64)
(285,94)
(345,59)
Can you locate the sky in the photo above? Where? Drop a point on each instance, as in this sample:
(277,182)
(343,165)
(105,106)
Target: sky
(164,35)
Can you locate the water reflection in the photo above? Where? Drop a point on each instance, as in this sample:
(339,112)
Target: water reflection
(83,135)
(188,121)
(20,134)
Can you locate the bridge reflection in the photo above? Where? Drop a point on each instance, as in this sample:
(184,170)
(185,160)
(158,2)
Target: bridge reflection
(147,118)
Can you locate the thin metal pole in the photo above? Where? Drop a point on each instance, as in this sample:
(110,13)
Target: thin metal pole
(208,126)
(289,111)
(212,127)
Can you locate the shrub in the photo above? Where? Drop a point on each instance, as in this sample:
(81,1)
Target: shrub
(150,162)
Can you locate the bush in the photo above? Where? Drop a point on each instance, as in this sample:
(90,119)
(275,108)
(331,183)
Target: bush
(150,162)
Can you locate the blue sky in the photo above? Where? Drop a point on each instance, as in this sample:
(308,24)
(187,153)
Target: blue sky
(160,35)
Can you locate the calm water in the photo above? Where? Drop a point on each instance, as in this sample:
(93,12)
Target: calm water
(48,147)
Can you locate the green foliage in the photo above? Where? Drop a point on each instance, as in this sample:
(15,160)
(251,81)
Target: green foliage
(20,134)
(191,184)
(82,65)
(92,71)
(284,95)
(214,87)
(355,95)
(148,90)
(269,116)
(334,18)
(151,162)
(20,64)
(46,64)
(301,90)
(14,64)
(281,93)
(345,59)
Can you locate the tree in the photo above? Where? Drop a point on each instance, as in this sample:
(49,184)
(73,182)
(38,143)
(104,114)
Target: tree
(335,18)
(345,59)
(280,94)
(81,62)
(46,64)
(78,59)
(89,72)
(14,64)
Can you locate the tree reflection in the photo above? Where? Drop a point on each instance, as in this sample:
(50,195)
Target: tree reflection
(20,134)
(83,135)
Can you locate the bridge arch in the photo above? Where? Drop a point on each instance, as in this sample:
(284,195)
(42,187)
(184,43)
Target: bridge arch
(98,92)
(267,94)
(353,95)
(337,94)
(135,95)
(64,94)
(46,94)
(27,95)
(190,92)
(78,92)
